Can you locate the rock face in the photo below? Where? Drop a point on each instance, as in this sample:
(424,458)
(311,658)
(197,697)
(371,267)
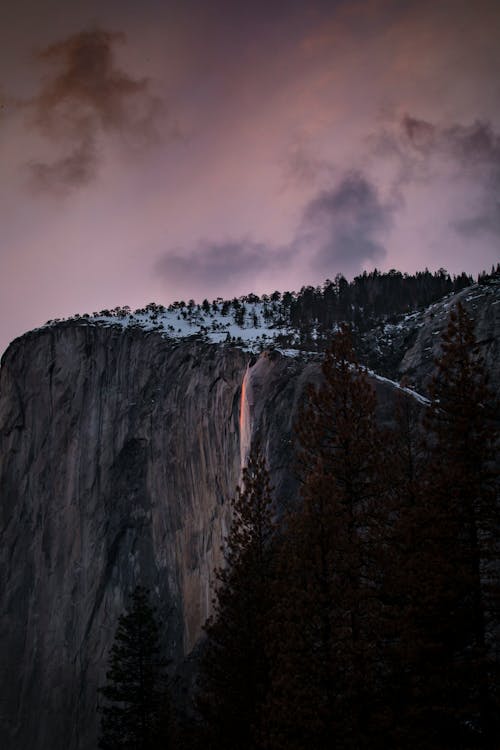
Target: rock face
(117,456)
(482,303)
(409,347)
(119,452)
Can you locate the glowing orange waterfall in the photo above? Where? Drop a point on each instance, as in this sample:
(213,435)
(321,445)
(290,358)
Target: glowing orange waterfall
(245,420)
(242,402)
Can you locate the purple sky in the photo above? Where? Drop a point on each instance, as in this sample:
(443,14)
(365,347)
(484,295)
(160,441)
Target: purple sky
(158,151)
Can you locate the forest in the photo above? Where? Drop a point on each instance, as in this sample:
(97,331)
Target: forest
(365,614)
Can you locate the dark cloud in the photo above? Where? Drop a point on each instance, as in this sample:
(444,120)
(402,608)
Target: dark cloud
(475,145)
(87,80)
(487,222)
(477,149)
(74,170)
(474,150)
(466,155)
(344,224)
(338,232)
(303,167)
(418,132)
(214,264)
(85,96)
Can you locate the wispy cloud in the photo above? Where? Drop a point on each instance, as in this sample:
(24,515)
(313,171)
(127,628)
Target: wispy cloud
(344,225)
(84,97)
(470,153)
(475,145)
(76,169)
(340,230)
(219,262)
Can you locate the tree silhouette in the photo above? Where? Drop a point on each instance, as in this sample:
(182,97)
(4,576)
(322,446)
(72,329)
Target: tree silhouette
(136,708)
(324,620)
(463,490)
(450,576)
(234,672)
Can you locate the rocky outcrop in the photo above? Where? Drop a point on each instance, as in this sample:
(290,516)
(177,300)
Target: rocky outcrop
(408,347)
(482,302)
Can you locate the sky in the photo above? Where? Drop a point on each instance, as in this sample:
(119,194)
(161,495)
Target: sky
(158,151)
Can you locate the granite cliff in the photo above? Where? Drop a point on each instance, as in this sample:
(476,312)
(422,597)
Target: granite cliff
(119,451)
(118,454)
(408,347)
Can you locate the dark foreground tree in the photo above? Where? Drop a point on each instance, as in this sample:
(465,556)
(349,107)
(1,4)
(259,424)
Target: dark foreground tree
(457,577)
(234,673)
(326,612)
(446,577)
(135,713)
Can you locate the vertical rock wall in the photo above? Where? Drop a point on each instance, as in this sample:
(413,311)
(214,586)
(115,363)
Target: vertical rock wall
(118,453)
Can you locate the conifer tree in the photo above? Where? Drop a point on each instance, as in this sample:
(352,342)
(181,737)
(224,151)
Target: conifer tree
(324,622)
(399,565)
(462,425)
(135,713)
(453,576)
(234,672)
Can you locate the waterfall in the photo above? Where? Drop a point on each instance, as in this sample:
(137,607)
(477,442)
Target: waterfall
(253,395)
(246,408)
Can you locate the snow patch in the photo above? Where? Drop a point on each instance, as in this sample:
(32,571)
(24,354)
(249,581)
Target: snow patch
(414,394)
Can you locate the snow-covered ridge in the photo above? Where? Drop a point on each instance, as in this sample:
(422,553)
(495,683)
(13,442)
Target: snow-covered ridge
(254,326)
(258,324)
(254,330)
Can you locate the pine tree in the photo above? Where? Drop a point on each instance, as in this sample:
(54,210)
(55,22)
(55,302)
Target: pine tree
(136,708)
(324,621)
(461,422)
(234,672)
(400,565)
(453,571)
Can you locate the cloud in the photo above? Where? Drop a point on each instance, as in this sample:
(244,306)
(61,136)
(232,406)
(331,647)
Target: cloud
(475,145)
(486,222)
(343,225)
(461,161)
(419,133)
(74,170)
(86,78)
(302,166)
(338,232)
(85,97)
(473,152)
(219,263)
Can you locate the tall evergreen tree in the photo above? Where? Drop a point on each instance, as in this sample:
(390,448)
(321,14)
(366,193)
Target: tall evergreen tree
(403,458)
(135,713)
(463,427)
(453,569)
(234,671)
(325,618)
